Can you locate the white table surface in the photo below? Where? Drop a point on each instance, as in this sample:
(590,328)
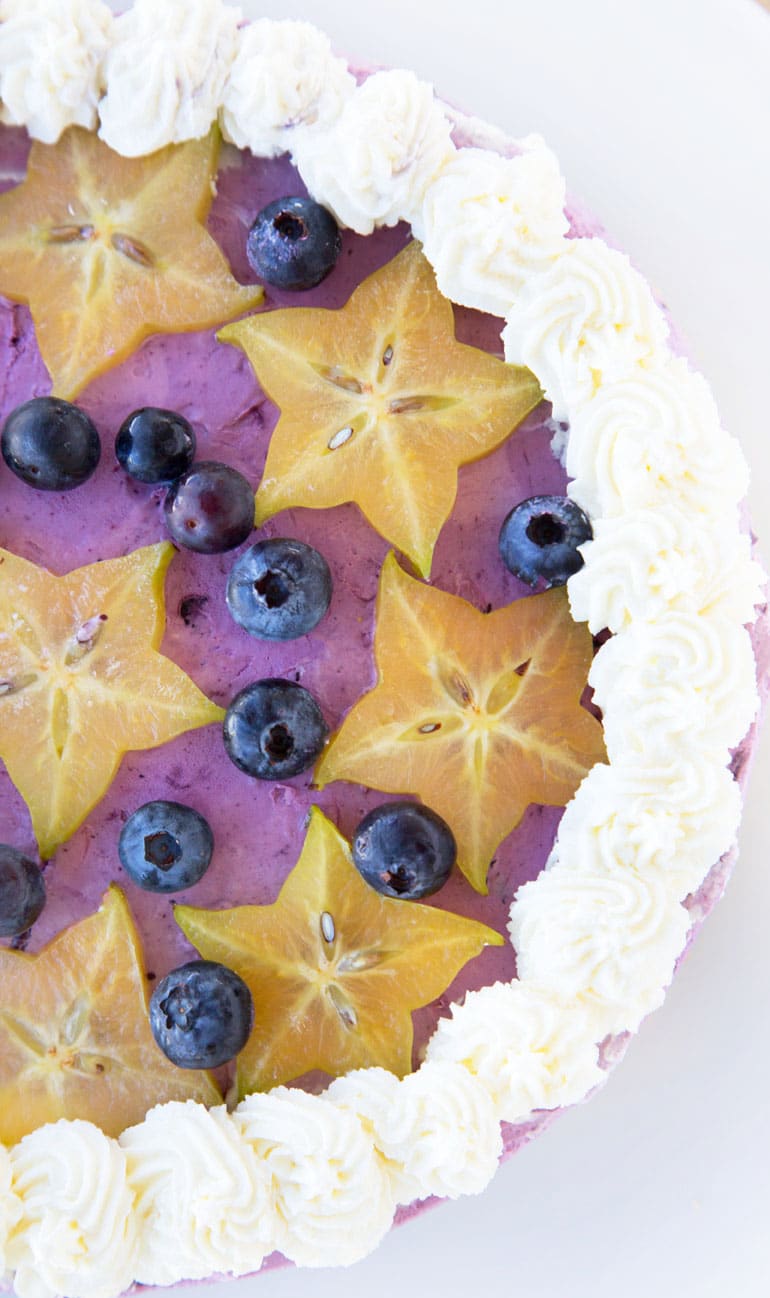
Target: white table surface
(660,113)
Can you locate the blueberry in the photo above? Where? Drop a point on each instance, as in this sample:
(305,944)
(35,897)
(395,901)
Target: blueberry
(50,444)
(155,445)
(279,589)
(201,1014)
(539,539)
(293,243)
(22,891)
(165,846)
(274,729)
(404,850)
(210,508)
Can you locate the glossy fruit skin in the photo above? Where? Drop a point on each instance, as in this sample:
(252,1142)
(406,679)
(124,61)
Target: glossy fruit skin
(165,846)
(22,891)
(404,850)
(50,444)
(155,445)
(201,1014)
(293,243)
(274,729)
(539,540)
(279,589)
(210,508)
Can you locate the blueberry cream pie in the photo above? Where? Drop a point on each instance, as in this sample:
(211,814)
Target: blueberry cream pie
(380,647)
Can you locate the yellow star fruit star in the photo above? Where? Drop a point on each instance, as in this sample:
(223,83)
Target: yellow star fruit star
(107,250)
(380,404)
(82,681)
(478,714)
(75,1038)
(334,968)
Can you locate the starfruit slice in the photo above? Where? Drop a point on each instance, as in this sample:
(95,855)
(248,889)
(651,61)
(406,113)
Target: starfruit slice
(82,681)
(380,404)
(334,968)
(75,1039)
(479,714)
(107,250)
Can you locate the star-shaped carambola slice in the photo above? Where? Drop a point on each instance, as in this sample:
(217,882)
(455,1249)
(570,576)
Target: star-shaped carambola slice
(478,714)
(334,968)
(82,682)
(107,250)
(379,403)
(75,1039)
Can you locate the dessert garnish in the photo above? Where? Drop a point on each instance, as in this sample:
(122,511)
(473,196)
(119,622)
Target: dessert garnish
(50,444)
(478,714)
(107,250)
(293,243)
(380,404)
(155,445)
(22,891)
(540,539)
(404,850)
(75,1039)
(82,681)
(210,508)
(334,968)
(274,729)
(165,846)
(201,1014)
(279,589)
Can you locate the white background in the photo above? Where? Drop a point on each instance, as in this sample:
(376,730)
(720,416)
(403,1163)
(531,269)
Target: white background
(660,113)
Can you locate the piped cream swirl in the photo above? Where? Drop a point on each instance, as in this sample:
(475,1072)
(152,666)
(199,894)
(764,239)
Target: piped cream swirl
(652,439)
(683,683)
(332,1198)
(608,935)
(284,79)
(436,1129)
(527,1047)
(196,1183)
(587,320)
(50,64)
(77,1233)
(647,562)
(668,820)
(373,164)
(165,73)
(486,222)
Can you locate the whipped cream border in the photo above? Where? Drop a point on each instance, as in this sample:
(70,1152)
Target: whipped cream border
(599,932)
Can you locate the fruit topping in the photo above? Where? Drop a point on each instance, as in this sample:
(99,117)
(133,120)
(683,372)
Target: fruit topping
(404,850)
(274,729)
(82,681)
(50,444)
(155,445)
(478,714)
(201,1014)
(379,404)
(334,968)
(165,846)
(22,891)
(293,243)
(539,540)
(107,250)
(75,1039)
(279,589)
(210,508)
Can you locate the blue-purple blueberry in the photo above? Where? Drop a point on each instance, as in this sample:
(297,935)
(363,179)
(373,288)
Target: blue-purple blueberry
(165,846)
(539,540)
(50,444)
(293,243)
(279,589)
(201,1014)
